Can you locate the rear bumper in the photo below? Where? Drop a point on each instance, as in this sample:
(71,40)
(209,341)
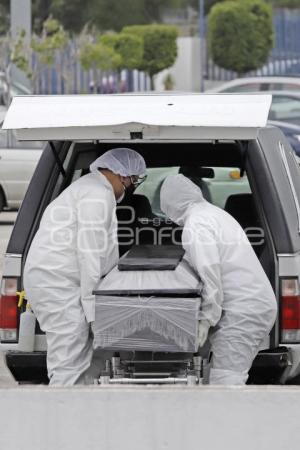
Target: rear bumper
(28,367)
(269,367)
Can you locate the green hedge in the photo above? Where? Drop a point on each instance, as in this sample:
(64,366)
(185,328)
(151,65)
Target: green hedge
(240,34)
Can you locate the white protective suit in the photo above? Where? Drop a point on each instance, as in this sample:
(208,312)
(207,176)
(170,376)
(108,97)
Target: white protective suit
(75,245)
(238,299)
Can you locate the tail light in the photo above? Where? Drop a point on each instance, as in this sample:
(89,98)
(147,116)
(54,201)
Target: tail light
(290,310)
(8,309)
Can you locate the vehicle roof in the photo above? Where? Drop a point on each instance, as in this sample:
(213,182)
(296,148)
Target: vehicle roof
(285,126)
(264,79)
(115,117)
(283,93)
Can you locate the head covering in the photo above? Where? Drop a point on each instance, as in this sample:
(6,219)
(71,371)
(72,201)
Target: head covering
(121,161)
(177,194)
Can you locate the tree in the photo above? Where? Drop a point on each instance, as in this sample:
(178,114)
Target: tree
(160,47)
(129,47)
(49,46)
(53,38)
(208,4)
(94,55)
(20,54)
(114,14)
(240,34)
(104,14)
(169,82)
(47,49)
(72,14)
(40,12)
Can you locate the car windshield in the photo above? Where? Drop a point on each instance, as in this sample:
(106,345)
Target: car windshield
(216,183)
(249,87)
(18,89)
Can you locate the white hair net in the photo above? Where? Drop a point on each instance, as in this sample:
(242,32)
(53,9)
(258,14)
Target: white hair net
(176,195)
(121,161)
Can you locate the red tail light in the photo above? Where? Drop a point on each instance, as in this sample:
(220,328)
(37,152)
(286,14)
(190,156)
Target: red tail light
(290,310)
(8,309)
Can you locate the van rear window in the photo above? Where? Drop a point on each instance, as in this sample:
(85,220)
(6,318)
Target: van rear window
(294,173)
(216,183)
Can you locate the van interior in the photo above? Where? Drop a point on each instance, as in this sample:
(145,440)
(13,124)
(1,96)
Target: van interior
(218,168)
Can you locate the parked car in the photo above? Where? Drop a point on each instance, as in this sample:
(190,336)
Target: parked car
(173,133)
(292,133)
(255,84)
(9,91)
(17,164)
(285,105)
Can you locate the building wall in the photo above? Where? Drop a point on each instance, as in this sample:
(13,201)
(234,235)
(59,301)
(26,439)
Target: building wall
(185,71)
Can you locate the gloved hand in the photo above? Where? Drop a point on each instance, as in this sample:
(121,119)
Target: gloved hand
(202,332)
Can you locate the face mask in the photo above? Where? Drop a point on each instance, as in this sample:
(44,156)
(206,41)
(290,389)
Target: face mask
(122,195)
(130,190)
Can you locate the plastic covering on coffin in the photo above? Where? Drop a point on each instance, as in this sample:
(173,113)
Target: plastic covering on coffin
(158,322)
(182,279)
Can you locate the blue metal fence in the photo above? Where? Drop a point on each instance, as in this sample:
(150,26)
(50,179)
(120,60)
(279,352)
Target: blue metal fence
(49,81)
(67,76)
(285,57)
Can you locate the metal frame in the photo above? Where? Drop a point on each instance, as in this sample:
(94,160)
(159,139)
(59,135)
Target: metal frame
(287,169)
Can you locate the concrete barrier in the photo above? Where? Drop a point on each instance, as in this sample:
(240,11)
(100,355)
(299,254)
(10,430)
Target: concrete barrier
(147,418)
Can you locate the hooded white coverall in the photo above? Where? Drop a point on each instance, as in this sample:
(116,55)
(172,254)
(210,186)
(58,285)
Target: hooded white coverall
(75,245)
(238,299)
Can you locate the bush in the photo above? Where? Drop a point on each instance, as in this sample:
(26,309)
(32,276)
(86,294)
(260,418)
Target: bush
(240,34)
(169,82)
(160,47)
(128,47)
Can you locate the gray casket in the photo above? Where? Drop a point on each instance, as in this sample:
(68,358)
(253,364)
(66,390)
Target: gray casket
(148,310)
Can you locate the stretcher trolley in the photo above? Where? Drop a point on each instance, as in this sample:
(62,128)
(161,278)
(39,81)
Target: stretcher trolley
(147,313)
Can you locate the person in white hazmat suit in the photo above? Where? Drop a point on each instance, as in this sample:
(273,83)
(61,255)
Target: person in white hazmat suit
(75,245)
(238,300)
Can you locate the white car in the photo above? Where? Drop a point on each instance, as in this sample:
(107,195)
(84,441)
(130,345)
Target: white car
(255,84)
(18,161)
(285,105)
